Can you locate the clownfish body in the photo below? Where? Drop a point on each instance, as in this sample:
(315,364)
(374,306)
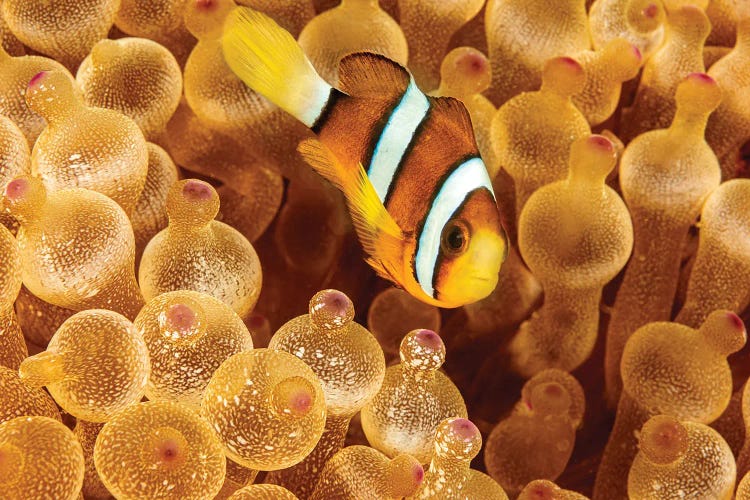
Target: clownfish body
(418,192)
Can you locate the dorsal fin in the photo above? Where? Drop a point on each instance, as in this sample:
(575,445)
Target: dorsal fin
(364,74)
(454,111)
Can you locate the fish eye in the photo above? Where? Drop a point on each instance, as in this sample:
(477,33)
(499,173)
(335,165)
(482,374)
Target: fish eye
(455,237)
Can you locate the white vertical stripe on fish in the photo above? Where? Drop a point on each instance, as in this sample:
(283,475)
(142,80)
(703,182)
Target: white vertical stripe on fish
(313,101)
(395,139)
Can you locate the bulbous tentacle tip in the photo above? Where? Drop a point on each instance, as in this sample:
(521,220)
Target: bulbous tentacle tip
(689,19)
(301,403)
(331,309)
(195,190)
(650,11)
(422,350)
(465,71)
(52,94)
(17,188)
(294,396)
(601,143)
(417,473)
(475,62)
(42,369)
(645,16)
(464,428)
(569,62)
(697,94)
(736,321)
(694,8)
(50,80)
(458,438)
(169,451)
(181,317)
(563,75)
(701,78)
(622,58)
(663,439)
(429,340)
(192,202)
(592,158)
(540,489)
(23,197)
(724,331)
(169,448)
(37,79)
(549,398)
(405,475)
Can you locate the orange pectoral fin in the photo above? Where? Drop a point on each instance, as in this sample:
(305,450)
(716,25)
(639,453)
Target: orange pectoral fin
(382,270)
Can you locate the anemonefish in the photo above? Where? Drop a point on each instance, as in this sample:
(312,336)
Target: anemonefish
(418,192)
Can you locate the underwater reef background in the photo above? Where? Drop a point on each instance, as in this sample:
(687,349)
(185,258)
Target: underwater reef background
(192,307)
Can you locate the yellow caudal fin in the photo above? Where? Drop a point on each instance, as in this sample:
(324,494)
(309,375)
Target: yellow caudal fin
(268,59)
(380,235)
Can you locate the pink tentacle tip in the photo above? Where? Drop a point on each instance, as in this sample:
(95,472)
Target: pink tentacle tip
(475,62)
(331,309)
(334,302)
(571,63)
(16,189)
(637,53)
(181,317)
(337,300)
(195,190)
(429,339)
(301,403)
(205,4)
(464,428)
(37,78)
(651,10)
(602,143)
(701,78)
(539,492)
(736,321)
(417,472)
(168,450)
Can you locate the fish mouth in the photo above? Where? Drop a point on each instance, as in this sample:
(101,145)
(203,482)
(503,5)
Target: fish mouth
(481,286)
(477,278)
(484,283)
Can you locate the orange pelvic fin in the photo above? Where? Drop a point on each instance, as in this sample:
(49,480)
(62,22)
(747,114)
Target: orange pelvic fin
(381,237)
